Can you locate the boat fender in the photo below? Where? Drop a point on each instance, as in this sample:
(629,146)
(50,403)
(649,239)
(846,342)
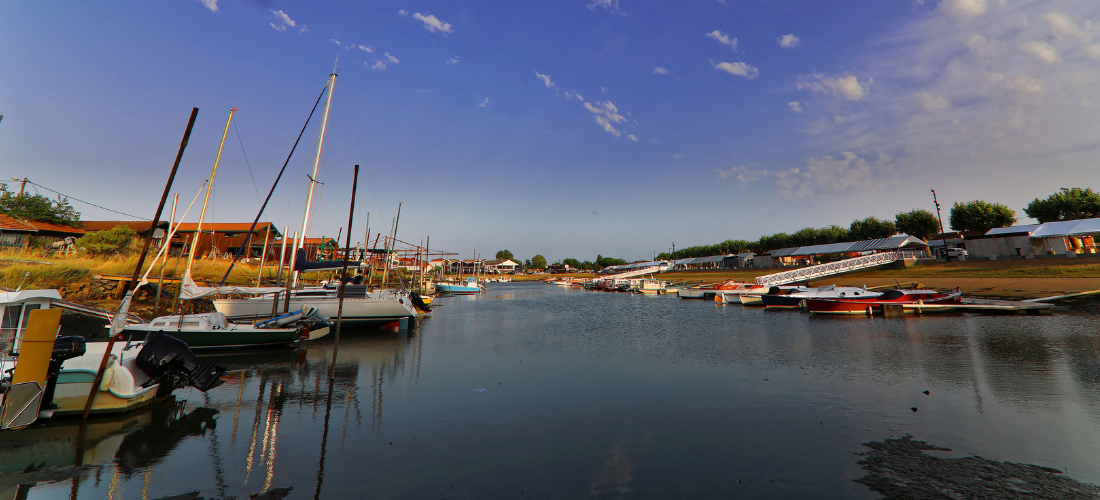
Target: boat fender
(109,374)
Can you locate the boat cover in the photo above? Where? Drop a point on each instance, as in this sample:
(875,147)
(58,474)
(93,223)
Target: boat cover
(191,291)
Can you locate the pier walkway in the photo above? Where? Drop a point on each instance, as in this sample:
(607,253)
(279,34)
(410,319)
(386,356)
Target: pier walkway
(833,268)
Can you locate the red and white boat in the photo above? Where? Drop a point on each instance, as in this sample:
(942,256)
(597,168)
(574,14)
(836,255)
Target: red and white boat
(878,305)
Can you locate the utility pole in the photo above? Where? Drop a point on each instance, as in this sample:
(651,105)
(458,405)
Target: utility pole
(940,218)
(22,186)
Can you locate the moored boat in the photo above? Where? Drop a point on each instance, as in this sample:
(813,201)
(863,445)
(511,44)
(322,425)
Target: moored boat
(795,297)
(880,305)
(469,286)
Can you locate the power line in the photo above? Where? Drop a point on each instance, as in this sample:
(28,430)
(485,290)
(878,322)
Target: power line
(82,201)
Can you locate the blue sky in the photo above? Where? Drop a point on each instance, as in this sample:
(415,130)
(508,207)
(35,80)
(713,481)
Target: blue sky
(565,128)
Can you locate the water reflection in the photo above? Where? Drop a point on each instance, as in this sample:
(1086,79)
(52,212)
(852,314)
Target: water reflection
(603,395)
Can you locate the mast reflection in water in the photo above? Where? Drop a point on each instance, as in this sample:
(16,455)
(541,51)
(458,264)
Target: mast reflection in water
(534,391)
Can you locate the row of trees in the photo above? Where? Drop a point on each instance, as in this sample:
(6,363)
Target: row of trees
(539,262)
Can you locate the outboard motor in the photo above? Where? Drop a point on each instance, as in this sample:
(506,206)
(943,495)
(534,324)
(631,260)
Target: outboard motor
(164,355)
(419,302)
(64,348)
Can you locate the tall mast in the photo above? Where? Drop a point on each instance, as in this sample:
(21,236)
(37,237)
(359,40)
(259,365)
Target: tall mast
(317,162)
(206,199)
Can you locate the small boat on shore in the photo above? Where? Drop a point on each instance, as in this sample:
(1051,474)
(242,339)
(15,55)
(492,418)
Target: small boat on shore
(711,290)
(882,305)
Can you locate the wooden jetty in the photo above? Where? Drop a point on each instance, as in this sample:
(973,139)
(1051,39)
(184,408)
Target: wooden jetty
(975,305)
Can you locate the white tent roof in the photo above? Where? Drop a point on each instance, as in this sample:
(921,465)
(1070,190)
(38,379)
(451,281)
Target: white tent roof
(1067,228)
(1012,230)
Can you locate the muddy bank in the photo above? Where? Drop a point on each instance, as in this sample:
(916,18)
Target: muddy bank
(900,469)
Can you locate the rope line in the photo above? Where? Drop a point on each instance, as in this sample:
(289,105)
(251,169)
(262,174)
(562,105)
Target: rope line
(82,201)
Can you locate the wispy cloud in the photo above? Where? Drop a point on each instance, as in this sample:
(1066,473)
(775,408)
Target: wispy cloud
(795,106)
(659,71)
(453,60)
(545,80)
(723,39)
(739,69)
(282,21)
(788,41)
(210,4)
(484,103)
(333,40)
(433,24)
(402,12)
(377,66)
(364,48)
(572,95)
(846,87)
(605,115)
(632,137)
(391,58)
(742,173)
(611,5)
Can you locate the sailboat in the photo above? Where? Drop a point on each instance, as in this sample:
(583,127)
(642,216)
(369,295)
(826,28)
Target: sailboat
(213,330)
(360,303)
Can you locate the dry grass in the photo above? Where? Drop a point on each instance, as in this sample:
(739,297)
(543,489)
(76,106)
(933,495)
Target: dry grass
(55,271)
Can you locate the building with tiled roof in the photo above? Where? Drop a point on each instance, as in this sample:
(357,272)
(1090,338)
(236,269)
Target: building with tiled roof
(15,233)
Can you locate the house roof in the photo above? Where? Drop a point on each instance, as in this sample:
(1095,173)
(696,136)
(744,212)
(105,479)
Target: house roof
(498,262)
(50,227)
(13,224)
(316,241)
(1014,230)
(228,227)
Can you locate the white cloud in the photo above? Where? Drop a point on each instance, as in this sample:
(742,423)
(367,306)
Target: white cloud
(453,60)
(402,12)
(572,95)
(210,4)
(963,10)
(391,58)
(931,103)
(632,137)
(788,41)
(1093,50)
(369,50)
(377,66)
(333,40)
(659,71)
(739,69)
(278,27)
(611,5)
(545,80)
(484,103)
(1063,25)
(847,87)
(795,106)
(1044,51)
(829,174)
(282,21)
(433,24)
(723,39)
(606,114)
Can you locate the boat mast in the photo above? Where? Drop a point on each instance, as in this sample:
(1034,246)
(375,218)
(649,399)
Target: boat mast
(316,163)
(206,199)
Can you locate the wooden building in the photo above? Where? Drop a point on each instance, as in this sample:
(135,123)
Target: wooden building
(15,233)
(222,239)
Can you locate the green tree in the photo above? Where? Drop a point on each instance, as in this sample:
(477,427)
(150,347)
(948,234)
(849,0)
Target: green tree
(505,254)
(538,262)
(919,223)
(1066,204)
(116,239)
(980,216)
(38,207)
(871,228)
(574,263)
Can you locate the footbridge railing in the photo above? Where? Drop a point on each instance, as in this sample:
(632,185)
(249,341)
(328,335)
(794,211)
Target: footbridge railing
(832,268)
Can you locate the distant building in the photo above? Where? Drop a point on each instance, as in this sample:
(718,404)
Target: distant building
(222,239)
(502,266)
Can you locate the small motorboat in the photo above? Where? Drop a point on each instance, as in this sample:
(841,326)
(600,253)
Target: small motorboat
(710,291)
(879,305)
(214,331)
(469,286)
(795,297)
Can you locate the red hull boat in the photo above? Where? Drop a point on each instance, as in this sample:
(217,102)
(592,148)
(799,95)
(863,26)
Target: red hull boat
(878,305)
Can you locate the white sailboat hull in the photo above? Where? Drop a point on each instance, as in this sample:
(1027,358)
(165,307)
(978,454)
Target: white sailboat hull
(355,309)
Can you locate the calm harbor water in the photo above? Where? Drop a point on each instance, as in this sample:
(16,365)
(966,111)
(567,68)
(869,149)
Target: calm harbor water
(534,391)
